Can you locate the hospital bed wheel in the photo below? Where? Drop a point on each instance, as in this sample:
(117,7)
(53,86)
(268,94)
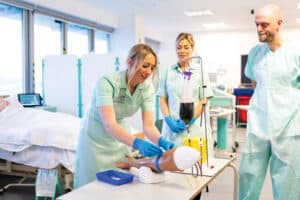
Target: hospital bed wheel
(68,190)
(236,144)
(2,190)
(215,143)
(233,149)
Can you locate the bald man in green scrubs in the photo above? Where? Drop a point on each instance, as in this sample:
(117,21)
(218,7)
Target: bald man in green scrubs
(273,129)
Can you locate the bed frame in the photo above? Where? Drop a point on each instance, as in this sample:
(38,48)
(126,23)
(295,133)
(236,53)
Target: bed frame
(24,172)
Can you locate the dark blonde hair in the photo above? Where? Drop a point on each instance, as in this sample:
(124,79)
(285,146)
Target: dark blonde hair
(137,54)
(187,36)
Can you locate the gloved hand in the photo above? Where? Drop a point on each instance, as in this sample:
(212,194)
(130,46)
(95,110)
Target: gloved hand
(167,145)
(145,148)
(176,126)
(192,121)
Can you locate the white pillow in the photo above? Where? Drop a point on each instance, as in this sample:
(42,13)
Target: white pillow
(13,107)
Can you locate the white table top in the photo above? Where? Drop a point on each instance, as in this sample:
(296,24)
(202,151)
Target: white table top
(181,186)
(219,112)
(242,107)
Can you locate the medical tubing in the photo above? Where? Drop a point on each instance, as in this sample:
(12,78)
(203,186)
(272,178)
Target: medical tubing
(188,134)
(200,165)
(204,110)
(157,164)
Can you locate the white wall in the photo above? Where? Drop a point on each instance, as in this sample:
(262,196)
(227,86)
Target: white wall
(129,32)
(123,38)
(81,9)
(129,28)
(221,50)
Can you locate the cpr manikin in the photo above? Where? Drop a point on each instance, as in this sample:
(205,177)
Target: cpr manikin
(177,159)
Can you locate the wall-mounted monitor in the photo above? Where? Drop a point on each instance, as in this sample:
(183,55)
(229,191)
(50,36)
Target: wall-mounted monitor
(244,79)
(30,99)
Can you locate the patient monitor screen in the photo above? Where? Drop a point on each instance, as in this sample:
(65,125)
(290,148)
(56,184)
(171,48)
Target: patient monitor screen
(30,100)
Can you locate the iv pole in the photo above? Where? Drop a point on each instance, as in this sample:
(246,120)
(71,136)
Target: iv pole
(199,60)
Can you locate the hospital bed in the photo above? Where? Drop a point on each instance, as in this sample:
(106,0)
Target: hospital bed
(32,139)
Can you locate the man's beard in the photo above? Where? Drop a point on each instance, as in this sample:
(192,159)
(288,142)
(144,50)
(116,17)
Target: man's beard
(269,37)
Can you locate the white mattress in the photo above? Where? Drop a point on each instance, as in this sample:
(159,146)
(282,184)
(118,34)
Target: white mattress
(41,157)
(22,127)
(38,138)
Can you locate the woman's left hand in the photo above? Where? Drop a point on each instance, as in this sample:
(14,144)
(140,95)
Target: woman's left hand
(192,121)
(167,145)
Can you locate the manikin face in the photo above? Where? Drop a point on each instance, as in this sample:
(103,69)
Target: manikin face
(145,69)
(184,50)
(3,104)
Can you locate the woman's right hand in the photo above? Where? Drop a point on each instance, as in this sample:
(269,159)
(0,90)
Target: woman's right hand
(177,126)
(146,148)
(165,144)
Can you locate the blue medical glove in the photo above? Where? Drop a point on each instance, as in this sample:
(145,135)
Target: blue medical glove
(176,126)
(145,148)
(192,121)
(167,145)
(180,125)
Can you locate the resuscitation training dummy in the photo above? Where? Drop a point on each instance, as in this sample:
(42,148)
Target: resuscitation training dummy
(176,159)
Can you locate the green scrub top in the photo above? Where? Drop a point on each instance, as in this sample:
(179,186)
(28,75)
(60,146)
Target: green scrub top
(274,111)
(97,150)
(171,86)
(273,128)
(274,106)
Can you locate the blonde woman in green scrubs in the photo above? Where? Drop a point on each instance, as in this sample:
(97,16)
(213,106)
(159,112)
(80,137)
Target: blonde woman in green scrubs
(170,92)
(104,135)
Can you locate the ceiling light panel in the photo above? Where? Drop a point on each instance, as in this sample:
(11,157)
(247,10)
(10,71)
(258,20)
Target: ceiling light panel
(198,13)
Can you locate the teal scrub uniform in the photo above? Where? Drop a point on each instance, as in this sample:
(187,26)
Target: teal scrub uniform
(273,129)
(97,150)
(171,86)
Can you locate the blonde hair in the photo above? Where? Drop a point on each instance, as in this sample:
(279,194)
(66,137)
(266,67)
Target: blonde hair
(187,36)
(137,54)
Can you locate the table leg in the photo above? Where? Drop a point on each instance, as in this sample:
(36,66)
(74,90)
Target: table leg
(235,183)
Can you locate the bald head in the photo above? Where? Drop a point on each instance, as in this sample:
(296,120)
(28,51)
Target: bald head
(268,21)
(271,11)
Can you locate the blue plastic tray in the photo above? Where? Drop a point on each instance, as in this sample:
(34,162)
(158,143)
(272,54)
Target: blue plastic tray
(114,177)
